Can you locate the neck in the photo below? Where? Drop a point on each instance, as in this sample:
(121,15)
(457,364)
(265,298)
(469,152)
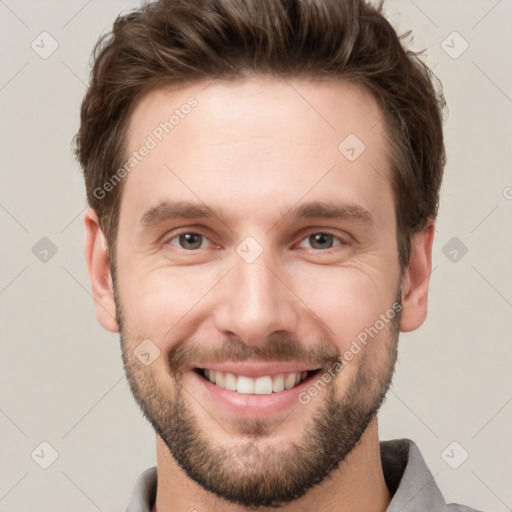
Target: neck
(358,484)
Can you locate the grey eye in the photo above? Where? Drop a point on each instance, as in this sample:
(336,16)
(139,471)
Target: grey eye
(188,241)
(321,240)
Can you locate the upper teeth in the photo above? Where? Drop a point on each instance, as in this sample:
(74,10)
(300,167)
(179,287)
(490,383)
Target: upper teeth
(260,386)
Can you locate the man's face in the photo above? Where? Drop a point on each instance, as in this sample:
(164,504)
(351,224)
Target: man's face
(297,258)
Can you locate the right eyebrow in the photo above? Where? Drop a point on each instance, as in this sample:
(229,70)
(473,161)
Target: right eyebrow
(175,210)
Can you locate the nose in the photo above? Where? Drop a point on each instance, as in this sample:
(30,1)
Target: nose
(256,301)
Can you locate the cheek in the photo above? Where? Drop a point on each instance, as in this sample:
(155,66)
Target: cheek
(160,303)
(347,300)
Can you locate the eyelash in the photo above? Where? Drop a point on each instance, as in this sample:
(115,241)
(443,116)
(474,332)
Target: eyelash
(174,236)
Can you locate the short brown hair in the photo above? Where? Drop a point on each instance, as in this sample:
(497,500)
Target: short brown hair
(178,42)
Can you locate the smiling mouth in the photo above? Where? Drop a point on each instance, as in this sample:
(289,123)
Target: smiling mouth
(264,385)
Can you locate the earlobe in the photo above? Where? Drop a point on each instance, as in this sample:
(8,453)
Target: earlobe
(98,265)
(416,280)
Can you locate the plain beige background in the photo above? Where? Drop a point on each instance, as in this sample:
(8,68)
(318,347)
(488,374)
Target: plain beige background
(61,379)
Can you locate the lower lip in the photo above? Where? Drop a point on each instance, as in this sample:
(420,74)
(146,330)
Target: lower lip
(252,405)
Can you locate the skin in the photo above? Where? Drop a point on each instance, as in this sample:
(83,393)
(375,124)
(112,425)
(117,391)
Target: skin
(249,150)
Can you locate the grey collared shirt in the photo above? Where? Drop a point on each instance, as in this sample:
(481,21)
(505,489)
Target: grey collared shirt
(409,480)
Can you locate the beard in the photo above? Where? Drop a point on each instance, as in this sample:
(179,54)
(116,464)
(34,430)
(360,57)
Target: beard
(253,472)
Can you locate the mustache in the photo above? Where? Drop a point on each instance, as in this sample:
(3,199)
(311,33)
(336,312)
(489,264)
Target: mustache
(277,348)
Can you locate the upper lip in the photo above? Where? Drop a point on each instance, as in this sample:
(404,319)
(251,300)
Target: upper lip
(256,370)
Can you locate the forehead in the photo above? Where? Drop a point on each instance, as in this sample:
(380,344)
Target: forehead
(257,106)
(240,143)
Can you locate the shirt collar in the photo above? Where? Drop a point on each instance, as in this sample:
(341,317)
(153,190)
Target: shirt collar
(408,478)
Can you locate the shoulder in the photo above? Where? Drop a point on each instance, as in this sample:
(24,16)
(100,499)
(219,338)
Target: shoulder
(144,492)
(455,507)
(410,482)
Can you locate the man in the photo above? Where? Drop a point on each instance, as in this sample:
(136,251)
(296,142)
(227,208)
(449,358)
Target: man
(263,179)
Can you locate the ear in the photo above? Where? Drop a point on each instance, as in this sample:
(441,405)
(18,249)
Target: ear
(98,265)
(416,280)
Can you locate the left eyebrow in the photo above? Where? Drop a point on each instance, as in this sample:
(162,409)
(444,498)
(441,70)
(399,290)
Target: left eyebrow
(329,210)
